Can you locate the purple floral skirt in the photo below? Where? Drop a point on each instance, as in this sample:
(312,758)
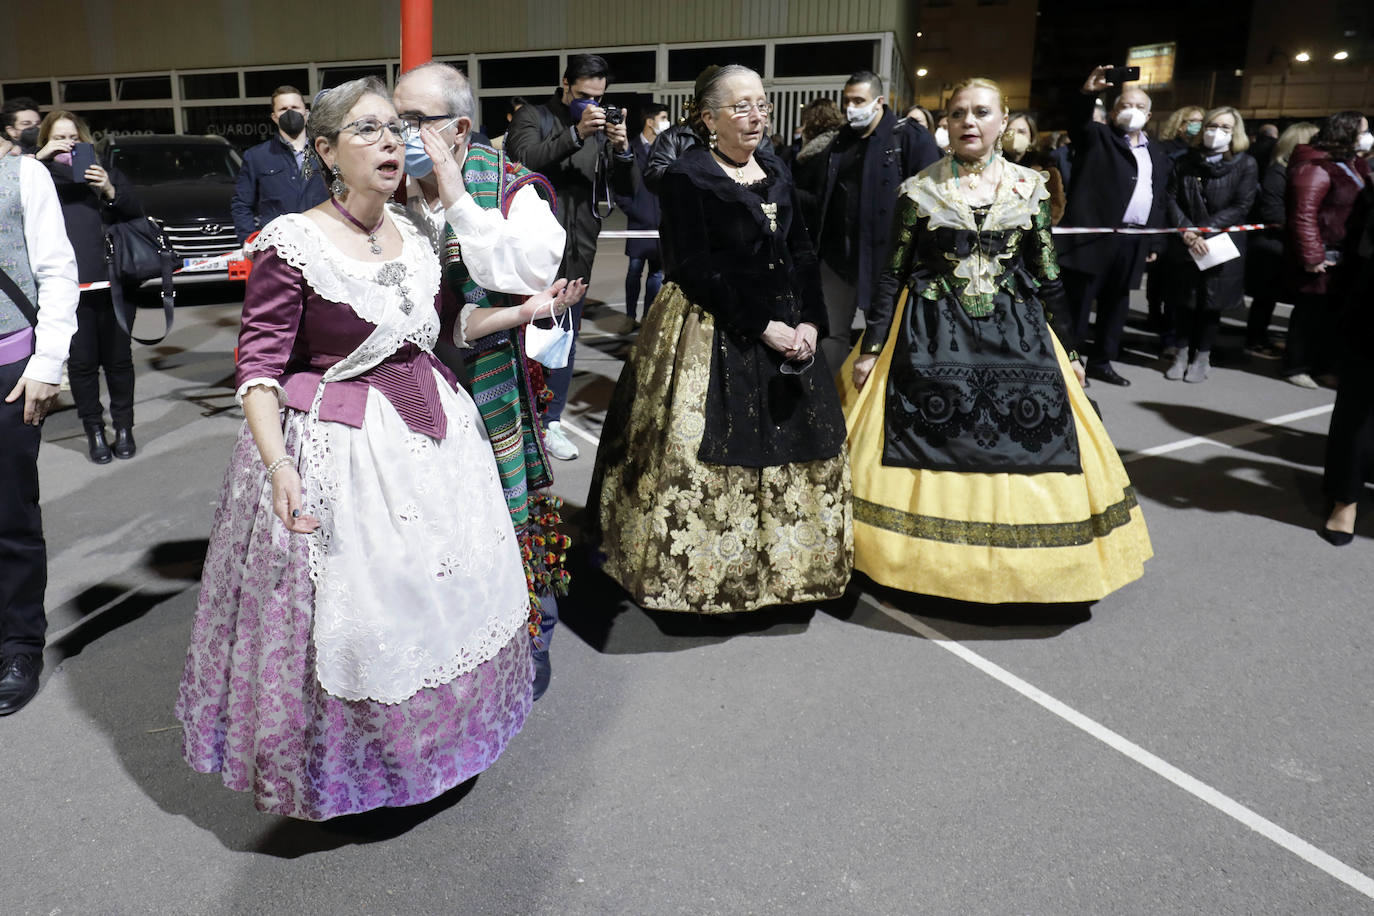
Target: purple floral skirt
(254,711)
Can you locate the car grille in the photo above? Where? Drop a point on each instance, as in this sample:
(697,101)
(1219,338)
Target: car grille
(202,239)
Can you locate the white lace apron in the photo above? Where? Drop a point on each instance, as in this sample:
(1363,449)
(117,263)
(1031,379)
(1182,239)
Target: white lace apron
(417,572)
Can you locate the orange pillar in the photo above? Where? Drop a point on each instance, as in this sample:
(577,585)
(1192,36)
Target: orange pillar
(417,33)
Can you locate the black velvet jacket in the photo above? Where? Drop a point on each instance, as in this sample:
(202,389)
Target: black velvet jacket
(742,254)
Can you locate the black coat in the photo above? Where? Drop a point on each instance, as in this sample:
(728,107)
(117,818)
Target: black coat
(546,143)
(1264,274)
(86,214)
(641,207)
(808,171)
(745,269)
(1210,194)
(893,155)
(1104,176)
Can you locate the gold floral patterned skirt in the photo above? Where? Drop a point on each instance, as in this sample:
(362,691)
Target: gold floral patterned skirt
(991,538)
(683,535)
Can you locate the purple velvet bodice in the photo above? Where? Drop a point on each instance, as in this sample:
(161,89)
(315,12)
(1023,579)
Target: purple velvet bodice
(292,335)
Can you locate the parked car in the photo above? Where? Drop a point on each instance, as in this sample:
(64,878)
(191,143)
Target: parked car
(185,183)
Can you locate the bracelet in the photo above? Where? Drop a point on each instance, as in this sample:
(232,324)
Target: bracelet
(272,468)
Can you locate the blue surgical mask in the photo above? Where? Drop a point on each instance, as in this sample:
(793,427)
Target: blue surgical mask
(577,106)
(1193,128)
(418,163)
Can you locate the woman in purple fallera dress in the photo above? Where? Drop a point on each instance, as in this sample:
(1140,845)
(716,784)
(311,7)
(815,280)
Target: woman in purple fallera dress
(361,635)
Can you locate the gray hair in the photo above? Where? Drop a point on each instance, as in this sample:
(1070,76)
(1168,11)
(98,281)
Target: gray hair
(453,86)
(329,112)
(713,93)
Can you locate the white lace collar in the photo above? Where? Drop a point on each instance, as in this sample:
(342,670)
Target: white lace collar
(1014,206)
(373,289)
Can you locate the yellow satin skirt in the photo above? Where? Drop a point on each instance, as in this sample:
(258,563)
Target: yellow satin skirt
(991,538)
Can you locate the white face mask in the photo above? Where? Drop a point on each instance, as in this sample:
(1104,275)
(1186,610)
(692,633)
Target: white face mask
(660,125)
(941,138)
(1364,142)
(1216,139)
(1131,119)
(860,116)
(550,346)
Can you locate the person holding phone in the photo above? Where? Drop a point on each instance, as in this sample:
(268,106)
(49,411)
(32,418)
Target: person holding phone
(93,195)
(1118,180)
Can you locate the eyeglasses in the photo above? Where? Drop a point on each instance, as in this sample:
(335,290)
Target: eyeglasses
(418,121)
(742,109)
(369,130)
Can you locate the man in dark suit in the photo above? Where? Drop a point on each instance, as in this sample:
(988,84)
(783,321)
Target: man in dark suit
(1118,181)
(641,212)
(869,157)
(272,180)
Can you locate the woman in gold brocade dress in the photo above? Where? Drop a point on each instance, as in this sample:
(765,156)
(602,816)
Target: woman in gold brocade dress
(981,471)
(721,483)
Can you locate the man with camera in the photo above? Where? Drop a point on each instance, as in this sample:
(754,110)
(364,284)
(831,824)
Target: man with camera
(582,147)
(1118,181)
(272,180)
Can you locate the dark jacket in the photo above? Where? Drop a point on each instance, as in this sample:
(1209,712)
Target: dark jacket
(86,214)
(1215,195)
(675,141)
(641,207)
(542,138)
(893,154)
(269,185)
(809,174)
(1264,271)
(1325,207)
(1104,176)
(746,269)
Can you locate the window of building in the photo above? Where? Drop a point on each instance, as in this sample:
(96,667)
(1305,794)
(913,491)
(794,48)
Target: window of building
(261,83)
(336,76)
(632,66)
(40,92)
(823,58)
(505,72)
(140,88)
(684,64)
(76,91)
(210,85)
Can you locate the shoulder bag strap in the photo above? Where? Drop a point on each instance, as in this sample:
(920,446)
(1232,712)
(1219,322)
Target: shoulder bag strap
(21,301)
(125,312)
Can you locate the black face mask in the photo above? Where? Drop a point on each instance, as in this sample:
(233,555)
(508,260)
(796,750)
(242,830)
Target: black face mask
(291,122)
(28,139)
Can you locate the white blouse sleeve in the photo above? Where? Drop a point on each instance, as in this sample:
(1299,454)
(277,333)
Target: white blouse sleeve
(519,253)
(53,264)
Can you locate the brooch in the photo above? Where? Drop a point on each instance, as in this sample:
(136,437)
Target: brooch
(771,211)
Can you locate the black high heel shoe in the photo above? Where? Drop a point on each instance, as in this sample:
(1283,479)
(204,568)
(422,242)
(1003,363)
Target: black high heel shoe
(96,445)
(1335,538)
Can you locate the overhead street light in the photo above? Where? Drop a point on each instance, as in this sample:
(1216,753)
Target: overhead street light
(922,71)
(1302,57)
(1340,55)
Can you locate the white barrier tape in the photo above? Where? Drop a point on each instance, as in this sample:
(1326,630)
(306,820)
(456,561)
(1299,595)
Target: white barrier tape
(1057,230)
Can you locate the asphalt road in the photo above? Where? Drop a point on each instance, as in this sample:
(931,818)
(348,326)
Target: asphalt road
(1200,742)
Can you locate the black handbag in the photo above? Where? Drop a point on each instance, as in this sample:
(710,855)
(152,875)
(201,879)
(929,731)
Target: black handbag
(138,250)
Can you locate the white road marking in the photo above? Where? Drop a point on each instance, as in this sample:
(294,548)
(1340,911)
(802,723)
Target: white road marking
(1230,438)
(1223,803)
(576,431)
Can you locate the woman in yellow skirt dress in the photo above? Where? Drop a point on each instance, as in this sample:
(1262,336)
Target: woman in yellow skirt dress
(980,470)
(721,482)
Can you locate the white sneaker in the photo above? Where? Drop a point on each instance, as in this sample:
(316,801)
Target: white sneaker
(557,444)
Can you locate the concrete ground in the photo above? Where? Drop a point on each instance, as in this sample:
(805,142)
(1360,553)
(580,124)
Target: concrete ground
(1200,742)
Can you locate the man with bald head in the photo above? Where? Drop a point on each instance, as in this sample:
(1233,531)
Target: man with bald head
(1118,181)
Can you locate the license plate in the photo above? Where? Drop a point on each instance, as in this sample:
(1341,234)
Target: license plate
(202,265)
